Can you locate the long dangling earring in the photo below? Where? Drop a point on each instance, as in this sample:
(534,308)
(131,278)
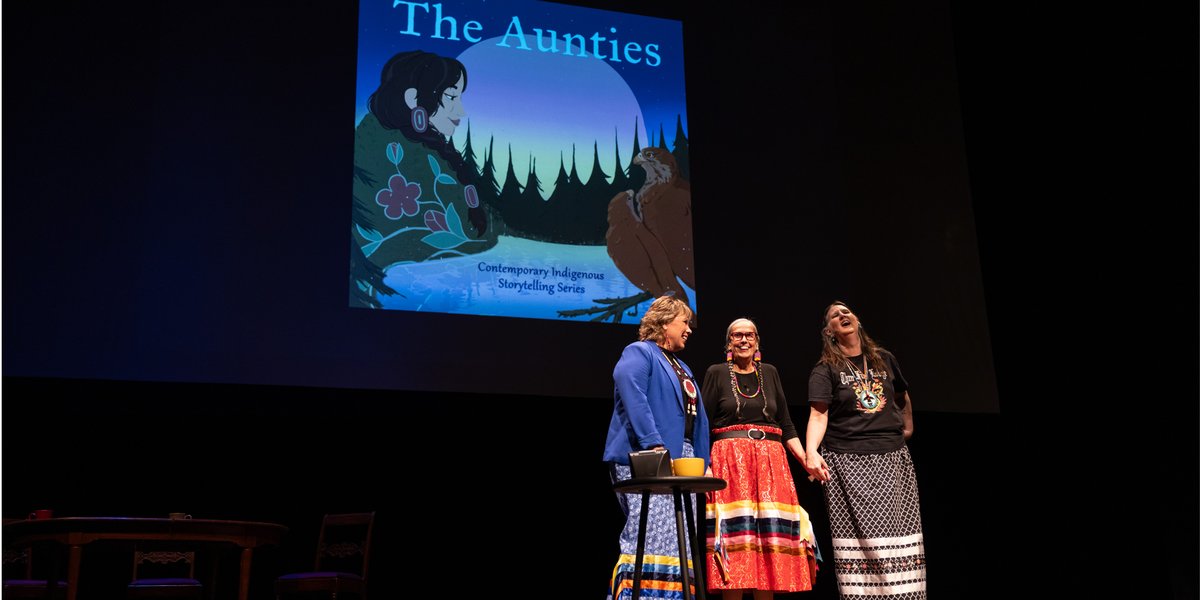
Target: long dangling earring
(728,356)
(757,356)
(420,119)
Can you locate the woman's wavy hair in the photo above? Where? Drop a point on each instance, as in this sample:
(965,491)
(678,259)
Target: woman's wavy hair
(662,311)
(431,75)
(831,353)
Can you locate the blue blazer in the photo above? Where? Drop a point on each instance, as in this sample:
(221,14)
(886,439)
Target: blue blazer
(648,406)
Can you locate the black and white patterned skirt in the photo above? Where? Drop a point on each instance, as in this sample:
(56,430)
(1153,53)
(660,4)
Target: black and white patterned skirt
(875,518)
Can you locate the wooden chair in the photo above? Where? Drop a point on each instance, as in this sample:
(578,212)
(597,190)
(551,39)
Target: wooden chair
(343,555)
(19,581)
(164,573)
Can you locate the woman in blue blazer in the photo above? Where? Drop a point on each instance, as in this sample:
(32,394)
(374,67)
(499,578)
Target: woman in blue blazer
(656,405)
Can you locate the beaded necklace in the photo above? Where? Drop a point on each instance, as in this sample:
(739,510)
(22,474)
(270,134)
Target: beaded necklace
(685,380)
(737,389)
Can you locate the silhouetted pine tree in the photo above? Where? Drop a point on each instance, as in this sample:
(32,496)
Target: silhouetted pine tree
(637,148)
(599,178)
(560,221)
(533,185)
(511,192)
(681,150)
(488,190)
(591,215)
(561,183)
(574,189)
(637,176)
(620,180)
(530,208)
(468,155)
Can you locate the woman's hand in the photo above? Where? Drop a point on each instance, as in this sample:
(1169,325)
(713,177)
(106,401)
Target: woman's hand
(816,466)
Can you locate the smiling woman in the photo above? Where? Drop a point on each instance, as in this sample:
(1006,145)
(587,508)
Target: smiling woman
(860,417)
(761,537)
(656,407)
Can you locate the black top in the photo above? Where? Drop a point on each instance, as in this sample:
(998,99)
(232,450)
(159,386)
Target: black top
(725,407)
(865,412)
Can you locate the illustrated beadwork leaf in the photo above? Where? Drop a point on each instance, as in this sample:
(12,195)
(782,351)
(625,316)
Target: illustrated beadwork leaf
(443,240)
(370,249)
(454,222)
(369,234)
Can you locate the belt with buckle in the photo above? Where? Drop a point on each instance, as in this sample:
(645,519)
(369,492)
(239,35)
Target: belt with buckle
(754,434)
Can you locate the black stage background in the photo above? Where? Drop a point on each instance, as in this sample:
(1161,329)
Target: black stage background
(1082,175)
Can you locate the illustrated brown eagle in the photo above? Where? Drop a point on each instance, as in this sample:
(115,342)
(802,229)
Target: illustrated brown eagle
(649,238)
(650,231)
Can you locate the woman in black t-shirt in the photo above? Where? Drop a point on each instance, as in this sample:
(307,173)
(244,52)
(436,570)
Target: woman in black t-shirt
(860,416)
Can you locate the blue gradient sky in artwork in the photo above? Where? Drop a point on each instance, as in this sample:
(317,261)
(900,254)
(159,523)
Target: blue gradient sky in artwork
(543,106)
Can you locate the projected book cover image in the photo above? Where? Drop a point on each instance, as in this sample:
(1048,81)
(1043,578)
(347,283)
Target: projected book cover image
(519,159)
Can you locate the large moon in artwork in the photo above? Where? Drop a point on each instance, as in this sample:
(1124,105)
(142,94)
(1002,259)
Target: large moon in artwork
(544,106)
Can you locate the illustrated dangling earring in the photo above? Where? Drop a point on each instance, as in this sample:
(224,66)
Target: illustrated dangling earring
(757,356)
(728,356)
(420,119)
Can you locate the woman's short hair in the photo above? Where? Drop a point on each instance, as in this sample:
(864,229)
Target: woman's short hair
(662,311)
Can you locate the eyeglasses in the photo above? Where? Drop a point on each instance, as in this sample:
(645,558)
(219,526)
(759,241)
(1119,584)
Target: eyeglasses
(738,336)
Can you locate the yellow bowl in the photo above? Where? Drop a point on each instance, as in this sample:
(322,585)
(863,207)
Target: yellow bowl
(688,467)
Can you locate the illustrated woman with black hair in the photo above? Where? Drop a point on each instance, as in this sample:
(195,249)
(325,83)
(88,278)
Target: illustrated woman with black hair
(414,194)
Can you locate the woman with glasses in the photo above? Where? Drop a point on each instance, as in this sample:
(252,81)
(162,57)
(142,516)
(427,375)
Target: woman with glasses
(760,536)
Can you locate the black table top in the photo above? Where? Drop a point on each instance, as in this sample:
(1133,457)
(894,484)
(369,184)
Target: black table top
(667,485)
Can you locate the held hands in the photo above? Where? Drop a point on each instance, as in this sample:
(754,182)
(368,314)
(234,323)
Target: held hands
(818,469)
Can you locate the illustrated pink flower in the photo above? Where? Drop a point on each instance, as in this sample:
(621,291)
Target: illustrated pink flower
(436,220)
(400,197)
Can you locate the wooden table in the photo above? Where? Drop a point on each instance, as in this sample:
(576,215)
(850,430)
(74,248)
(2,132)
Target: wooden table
(75,532)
